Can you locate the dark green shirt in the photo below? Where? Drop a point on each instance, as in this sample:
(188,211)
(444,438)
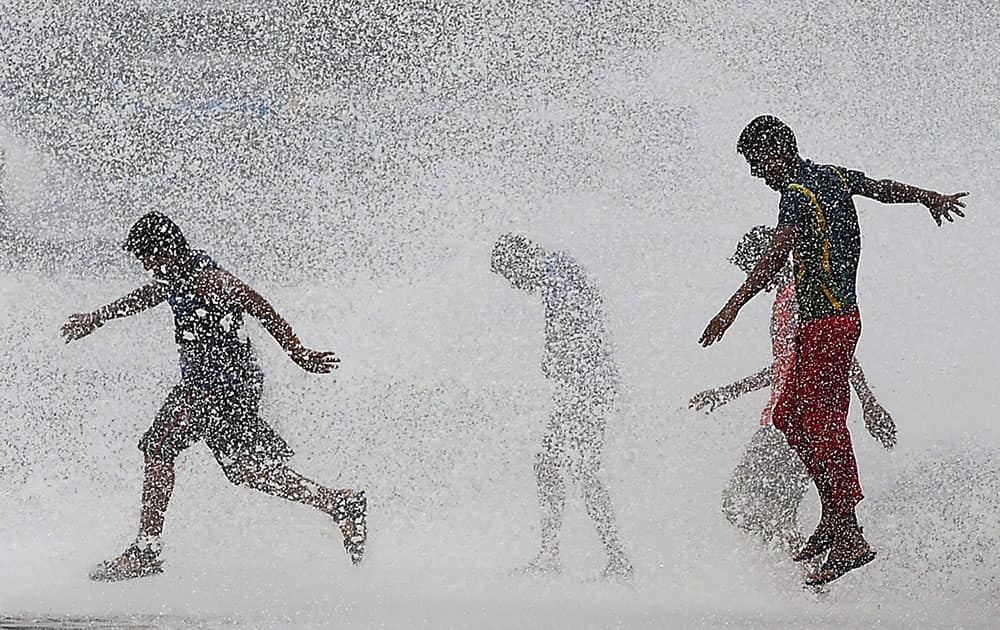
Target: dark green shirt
(818,205)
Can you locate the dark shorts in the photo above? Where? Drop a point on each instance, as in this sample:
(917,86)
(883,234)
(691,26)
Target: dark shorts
(226,418)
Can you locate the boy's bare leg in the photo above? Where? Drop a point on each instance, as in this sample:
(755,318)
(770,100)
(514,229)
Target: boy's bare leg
(283,482)
(346,507)
(157,487)
(552,497)
(142,557)
(822,538)
(598,503)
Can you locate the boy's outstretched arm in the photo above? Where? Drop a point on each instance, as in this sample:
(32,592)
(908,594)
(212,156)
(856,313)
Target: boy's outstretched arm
(879,423)
(242,295)
(80,325)
(889,191)
(769,265)
(714,398)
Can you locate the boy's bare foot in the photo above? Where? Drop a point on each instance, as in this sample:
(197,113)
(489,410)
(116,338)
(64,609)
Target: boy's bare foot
(544,564)
(618,568)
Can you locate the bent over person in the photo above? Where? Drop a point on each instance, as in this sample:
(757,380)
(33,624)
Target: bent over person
(578,361)
(217,399)
(768,485)
(818,226)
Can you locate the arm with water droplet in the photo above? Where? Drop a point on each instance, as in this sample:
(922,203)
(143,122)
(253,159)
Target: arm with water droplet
(719,396)
(879,423)
(889,191)
(772,262)
(147,296)
(241,295)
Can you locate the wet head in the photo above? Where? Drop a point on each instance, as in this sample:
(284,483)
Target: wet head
(770,149)
(516,258)
(751,248)
(158,243)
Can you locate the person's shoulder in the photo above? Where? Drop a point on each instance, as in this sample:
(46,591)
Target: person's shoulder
(212,278)
(852,180)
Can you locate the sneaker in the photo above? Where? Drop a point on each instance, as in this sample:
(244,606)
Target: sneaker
(850,551)
(837,566)
(134,562)
(352,516)
(820,542)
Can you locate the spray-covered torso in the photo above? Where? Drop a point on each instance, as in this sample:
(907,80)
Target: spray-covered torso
(576,345)
(214,351)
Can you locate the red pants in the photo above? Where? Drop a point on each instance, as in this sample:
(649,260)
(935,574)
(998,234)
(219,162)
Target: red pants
(812,411)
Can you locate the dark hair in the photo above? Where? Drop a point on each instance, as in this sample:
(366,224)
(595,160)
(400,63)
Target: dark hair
(767,132)
(509,251)
(752,247)
(155,234)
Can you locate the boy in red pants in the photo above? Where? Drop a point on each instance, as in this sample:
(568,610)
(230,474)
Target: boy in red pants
(818,225)
(770,482)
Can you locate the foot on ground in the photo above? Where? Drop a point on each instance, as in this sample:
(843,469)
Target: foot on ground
(543,565)
(619,568)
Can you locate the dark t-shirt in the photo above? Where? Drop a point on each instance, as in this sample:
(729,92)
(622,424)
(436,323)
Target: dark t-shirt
(214,349)
(818,205)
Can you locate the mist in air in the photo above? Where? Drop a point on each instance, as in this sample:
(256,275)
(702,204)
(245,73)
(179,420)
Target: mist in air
(356,165)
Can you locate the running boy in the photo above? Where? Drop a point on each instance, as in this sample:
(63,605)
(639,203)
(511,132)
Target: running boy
(818,225)
(577,358)
(219,393)
(768,485)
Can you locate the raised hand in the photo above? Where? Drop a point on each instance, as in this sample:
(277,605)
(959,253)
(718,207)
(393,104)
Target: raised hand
(314,361)
(80,325)
(880,424)
(941,206)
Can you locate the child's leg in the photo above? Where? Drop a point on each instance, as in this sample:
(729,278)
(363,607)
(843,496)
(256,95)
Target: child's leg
(283,482)
(175,427)
(598,503)
(552,499)
(348,508)
(157,486)
(178,424)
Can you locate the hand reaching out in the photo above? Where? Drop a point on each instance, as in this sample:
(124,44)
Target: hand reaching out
(314,361)
(710,398)
(718,326)
(880,424)
(942,205)
(80,325)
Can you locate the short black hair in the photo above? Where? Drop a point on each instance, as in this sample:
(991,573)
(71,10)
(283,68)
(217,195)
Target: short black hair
(156,234)
(511,252)
(752,247)
(767,132)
